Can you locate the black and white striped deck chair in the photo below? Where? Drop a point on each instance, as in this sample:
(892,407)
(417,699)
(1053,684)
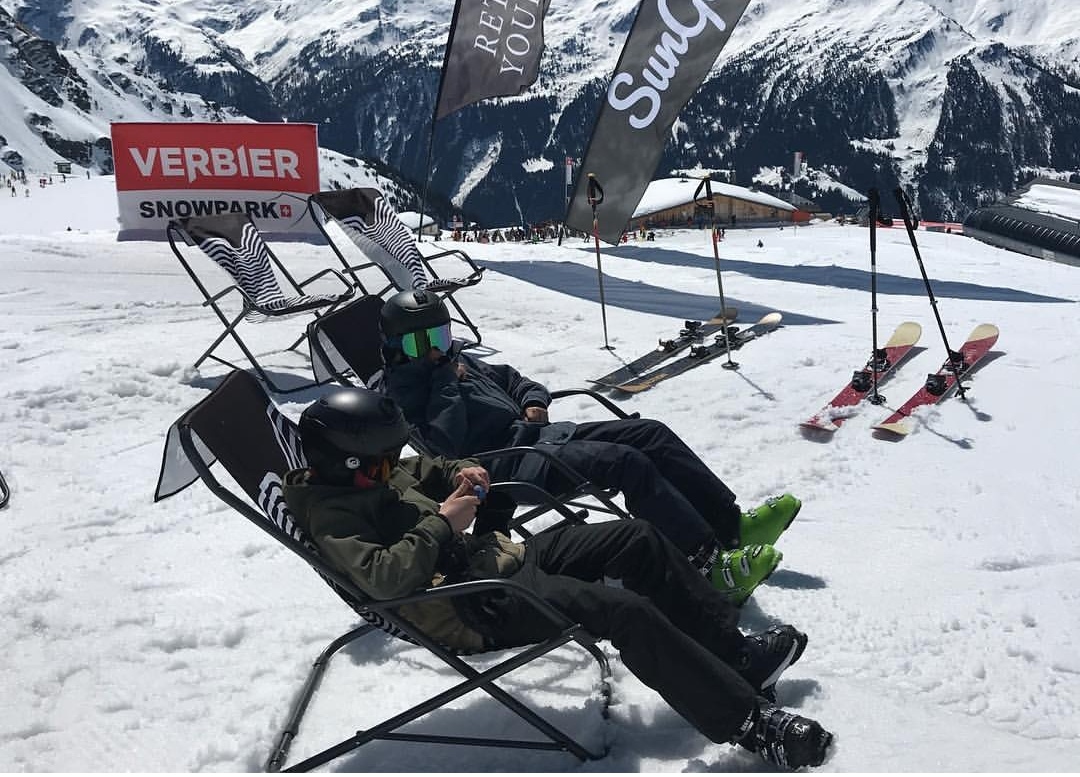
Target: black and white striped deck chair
(5,492)
(235,245)
(368,219)
(239,427)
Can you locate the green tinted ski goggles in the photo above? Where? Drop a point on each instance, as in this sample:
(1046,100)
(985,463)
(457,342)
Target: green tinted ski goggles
(417,344)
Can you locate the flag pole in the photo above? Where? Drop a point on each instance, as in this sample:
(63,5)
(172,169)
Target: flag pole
(435,118)
(706,183)
(595,196)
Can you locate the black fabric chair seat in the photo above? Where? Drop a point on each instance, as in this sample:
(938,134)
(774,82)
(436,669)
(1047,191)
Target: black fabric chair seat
(240,428)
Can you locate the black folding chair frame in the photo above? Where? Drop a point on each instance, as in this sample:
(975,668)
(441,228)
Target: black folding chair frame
(174,230)
(569,631)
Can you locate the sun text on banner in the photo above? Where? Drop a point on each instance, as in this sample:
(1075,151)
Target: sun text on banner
(670,49)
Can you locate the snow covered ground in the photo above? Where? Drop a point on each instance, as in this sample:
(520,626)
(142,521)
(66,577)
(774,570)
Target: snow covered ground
(938,577)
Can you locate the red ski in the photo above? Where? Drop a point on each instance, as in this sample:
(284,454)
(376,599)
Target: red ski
(939,384)
(844,404)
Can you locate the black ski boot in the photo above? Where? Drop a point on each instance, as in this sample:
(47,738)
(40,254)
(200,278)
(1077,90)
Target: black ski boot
(783,738)
(767,654)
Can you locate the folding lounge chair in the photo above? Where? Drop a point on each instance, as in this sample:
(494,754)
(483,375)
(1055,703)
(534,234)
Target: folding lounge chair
(238,426)
(236,246)
(369,220)
(345,347)
(5,492)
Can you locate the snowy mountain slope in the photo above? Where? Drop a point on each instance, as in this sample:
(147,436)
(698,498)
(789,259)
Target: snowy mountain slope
(960,98)
(57,106)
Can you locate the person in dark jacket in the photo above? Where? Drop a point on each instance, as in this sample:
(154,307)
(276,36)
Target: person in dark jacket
(461,406)
(397,526)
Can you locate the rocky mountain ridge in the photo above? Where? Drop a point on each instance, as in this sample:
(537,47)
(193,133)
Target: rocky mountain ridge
(962,100)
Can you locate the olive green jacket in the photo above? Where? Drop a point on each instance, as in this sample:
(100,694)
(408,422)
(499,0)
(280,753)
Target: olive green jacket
(391,541)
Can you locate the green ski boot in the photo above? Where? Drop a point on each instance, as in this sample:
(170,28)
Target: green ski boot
(763,525)
(738,572)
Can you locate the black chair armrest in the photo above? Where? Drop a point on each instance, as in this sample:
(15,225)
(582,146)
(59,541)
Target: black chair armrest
(324,273)
(615,409)
(540,497)
(247,300)
(523,450)
(476,271)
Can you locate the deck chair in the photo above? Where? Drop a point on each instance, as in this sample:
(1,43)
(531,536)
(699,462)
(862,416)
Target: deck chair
(346,348)
(368,219)
(5,492)
(239,427)
(236,246)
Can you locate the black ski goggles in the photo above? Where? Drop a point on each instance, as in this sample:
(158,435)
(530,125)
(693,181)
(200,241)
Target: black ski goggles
(417,344)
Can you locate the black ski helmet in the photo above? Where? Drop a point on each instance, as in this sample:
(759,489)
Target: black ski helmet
(412,311)
(351,428)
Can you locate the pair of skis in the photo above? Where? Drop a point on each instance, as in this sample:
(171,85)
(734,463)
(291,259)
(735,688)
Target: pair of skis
(692,332)
(882,361)
(938,384)
(700,354)
(650,369)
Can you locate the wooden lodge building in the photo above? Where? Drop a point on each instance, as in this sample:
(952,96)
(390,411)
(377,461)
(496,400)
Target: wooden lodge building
(669,202)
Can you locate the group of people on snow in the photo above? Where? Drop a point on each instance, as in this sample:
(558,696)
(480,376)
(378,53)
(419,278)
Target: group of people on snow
(686,563)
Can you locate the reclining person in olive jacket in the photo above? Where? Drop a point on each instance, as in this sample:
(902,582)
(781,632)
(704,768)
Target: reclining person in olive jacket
(397,526)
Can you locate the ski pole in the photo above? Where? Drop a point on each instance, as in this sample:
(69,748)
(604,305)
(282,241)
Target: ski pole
(956,359)
(595,197)
(876,357)
(706,183)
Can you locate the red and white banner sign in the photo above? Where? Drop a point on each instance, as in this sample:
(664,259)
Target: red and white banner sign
(176,170)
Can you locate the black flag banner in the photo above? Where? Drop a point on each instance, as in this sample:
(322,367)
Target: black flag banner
(669,51)
(493,51)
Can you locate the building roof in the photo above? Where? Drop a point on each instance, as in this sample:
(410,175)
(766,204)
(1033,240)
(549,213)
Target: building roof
(672,192)
(1044,216)
(411,219)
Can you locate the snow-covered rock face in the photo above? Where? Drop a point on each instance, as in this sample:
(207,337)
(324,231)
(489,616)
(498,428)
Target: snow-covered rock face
(959,98)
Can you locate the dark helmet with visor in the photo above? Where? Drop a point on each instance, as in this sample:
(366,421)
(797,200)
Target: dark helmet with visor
(351,429)
(416,321)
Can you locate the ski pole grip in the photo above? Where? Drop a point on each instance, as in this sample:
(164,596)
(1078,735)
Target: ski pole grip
(875,211)
(596,192)
(905,205)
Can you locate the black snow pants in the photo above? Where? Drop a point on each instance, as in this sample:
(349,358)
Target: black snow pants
(661,479)
(673,630)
